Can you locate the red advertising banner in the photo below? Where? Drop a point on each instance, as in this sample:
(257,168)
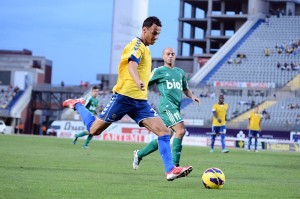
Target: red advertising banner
(244,84)
(136,131)
(122,137)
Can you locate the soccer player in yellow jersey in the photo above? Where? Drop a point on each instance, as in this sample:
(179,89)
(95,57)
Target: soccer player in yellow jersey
(130,97)
(254,128)
(219,123)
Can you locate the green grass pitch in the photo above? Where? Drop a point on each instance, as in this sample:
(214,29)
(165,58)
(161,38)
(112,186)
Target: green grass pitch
(47,167)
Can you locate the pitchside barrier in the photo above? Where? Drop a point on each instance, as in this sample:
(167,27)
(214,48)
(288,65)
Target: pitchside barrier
(131,132)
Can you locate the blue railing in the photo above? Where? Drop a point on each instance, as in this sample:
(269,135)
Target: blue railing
(14,100)
(185,102)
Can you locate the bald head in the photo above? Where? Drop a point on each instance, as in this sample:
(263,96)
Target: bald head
(169,57)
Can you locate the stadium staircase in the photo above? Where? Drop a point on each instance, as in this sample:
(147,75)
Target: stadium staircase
(21,103)
(294,84)
(224,52)
(231,52)
(246,114)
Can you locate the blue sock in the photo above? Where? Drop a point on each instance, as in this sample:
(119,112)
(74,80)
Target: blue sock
(165,152)
(249,143)
(223,141)
(213,138)
(255,144)
(87,117)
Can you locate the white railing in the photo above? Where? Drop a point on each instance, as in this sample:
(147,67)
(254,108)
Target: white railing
(212,62)
(21,103)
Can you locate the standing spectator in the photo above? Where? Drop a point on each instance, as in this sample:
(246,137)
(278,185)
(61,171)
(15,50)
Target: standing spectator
(254,127)
(219,123)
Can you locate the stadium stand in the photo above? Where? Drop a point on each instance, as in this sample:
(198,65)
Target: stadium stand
(247,62)
(237,106)
(257,67)
(284,114)
(8,95)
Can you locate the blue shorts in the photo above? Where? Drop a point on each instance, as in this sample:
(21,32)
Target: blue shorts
(218,130)
(253,133)
(121,105)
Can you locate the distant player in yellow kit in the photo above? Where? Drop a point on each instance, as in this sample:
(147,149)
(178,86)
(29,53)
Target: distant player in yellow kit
(254,128)
(219,123)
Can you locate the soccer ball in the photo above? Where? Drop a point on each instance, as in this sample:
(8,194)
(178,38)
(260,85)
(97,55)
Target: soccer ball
(213,178)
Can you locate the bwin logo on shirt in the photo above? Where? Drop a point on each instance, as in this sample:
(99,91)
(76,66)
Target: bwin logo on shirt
(173,85)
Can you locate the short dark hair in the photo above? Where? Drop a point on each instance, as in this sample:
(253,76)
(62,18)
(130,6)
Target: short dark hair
(152,20)
(95,87)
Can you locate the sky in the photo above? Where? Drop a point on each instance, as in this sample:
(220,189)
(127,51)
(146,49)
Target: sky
(74,34)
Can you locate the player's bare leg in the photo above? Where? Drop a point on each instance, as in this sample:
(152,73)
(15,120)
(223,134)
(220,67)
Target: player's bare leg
(156,125)
(179,129)
(98,126)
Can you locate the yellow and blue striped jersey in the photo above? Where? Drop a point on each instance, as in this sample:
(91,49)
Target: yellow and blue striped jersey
(134,51)
(221,111)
